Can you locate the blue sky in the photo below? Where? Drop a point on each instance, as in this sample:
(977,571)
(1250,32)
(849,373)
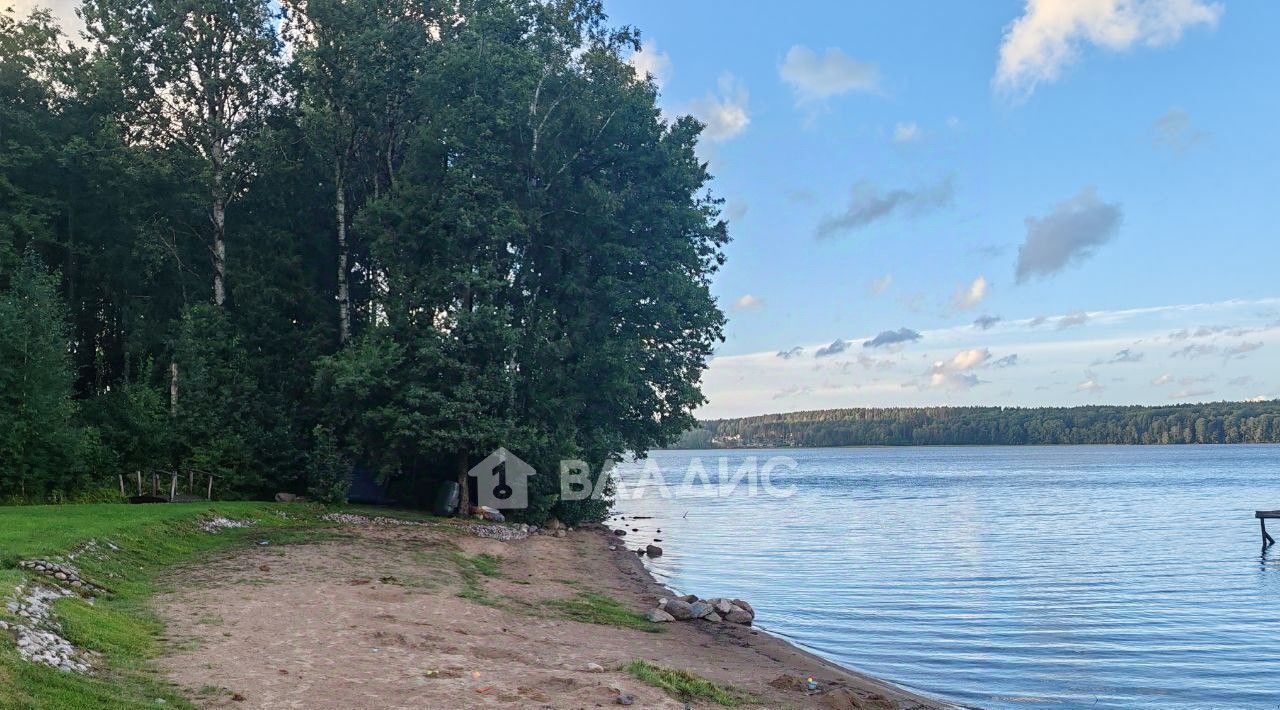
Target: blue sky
(918,166)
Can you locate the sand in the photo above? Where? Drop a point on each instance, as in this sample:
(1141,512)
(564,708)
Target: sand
(374,620)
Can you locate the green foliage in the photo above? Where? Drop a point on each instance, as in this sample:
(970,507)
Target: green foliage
(447,228)
(328,471)
(1214,423)
(214,422)
(687,686)
(42,446)
(133,423)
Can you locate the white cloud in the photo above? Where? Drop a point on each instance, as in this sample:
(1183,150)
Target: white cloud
(1072,320)
(1190,393)
(1241,350)
(851,375)
(971,296)
(1068,235)
(648,61)
(906,132)
(1051,34)
(1090,385)
(814,78)
(954,374)
(880,285)
(747,302)
(724,112)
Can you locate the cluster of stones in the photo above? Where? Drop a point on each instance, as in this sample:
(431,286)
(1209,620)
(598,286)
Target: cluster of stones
(500,532)
(353,519)
(63,574)
(31,605)
(689,606)
(215,524)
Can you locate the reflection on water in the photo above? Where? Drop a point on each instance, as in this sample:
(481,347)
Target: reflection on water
(998,576)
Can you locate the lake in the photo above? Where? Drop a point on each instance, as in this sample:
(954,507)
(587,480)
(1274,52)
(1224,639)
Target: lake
(1001,577)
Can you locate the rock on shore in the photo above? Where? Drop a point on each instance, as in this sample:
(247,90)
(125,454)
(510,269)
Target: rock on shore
(689,606)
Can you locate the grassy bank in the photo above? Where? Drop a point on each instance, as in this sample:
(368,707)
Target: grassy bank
(118,625)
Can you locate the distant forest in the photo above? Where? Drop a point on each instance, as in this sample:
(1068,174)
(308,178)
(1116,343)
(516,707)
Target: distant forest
(1216,423)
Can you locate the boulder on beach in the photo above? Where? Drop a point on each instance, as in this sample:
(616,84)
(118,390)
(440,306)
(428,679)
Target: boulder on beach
(653,550)
(722,606)
(659,616)
(700,609)
(620,532)
(691,598)
(739,616)
(743,606)
(711,616)
(484,512)
(678,609)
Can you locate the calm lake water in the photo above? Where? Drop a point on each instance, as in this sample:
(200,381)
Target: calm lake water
(1001,577)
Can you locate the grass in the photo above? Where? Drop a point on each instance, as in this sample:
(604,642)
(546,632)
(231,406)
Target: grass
(44,530)
(119,625)
(593,608)
(472,568)
(686,686)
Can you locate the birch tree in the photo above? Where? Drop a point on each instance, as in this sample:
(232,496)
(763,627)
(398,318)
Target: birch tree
(198,74)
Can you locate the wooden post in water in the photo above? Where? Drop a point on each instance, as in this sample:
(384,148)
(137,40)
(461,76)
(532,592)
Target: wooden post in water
(1262,515)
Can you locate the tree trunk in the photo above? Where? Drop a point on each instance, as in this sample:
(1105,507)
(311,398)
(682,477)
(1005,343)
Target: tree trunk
(173,388)
(464,493)
(344,291)
(219,228)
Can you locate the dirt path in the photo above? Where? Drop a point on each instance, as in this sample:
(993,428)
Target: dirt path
(429,617)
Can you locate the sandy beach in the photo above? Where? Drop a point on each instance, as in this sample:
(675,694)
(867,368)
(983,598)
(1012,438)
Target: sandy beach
(399,616)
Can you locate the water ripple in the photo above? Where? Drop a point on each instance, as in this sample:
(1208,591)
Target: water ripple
(998,576)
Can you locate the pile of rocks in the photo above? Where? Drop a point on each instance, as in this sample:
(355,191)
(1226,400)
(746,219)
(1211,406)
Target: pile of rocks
(214,524)
(689,606)
(63,574)
(353,519)
(505,533)
(36,633)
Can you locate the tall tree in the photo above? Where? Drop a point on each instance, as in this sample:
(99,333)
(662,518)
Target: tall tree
(199,74)
(42,445)
(357,60)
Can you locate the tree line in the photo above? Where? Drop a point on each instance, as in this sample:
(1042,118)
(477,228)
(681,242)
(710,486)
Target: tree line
(1214,423)
(278,241)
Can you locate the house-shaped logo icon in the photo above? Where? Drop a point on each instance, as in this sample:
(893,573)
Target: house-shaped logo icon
(502,480)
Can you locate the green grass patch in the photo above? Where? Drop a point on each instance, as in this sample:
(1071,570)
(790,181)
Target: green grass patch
(137,544)
(99,627)
(484,564)
(472,568)
(593,608)
(686,686)
(43,530)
